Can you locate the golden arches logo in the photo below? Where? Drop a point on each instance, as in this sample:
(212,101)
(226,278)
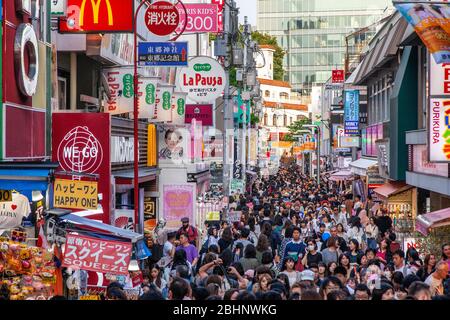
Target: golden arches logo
(96,11)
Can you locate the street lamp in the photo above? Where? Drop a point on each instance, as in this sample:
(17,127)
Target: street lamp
(313,126)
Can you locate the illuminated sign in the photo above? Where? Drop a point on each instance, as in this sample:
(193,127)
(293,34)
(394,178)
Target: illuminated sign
(96,16)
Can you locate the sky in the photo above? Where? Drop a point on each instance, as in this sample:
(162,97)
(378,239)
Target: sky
(247,8)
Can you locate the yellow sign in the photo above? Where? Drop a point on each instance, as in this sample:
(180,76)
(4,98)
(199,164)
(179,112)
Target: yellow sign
(282,144)
(90,297)
(213,216)
(71,194)
(5,195)
(96,11)
(152,146)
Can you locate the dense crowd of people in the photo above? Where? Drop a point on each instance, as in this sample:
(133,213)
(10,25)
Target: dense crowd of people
(296,240)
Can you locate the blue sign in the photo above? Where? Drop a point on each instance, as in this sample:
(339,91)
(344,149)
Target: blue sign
(1,10)
(163,54)
(351,110)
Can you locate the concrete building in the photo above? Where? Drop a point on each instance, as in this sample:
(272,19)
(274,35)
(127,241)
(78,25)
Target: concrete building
(313,33)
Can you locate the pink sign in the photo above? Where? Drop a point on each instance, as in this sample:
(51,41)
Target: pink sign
(200,17)
(92,254)
(178,202)
(421,164)
(199,112)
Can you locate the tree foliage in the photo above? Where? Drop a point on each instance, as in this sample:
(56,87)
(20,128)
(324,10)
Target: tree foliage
(266,39)
(295,128)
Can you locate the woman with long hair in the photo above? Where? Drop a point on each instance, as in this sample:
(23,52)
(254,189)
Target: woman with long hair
(384,254)
(354,254)
(344,261)
(413,260)
(262,246)
(428,267)
(289,270)
(156,277)
(446,254)
(226,240)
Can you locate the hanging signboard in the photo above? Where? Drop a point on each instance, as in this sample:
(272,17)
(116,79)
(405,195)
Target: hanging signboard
(58,8)
(203,80)
(162,18)
(349,142)
(121,87)
(99,16)
(351,109)
(338,76)
(163,54)
(429,21)
(179,107)
(164,103)
(73,194)
(201,17)
(147,97)
(200,112)
(213,216)
(92,254)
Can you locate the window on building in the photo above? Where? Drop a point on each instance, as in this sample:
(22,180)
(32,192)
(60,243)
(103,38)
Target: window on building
(290,120)
(274,120)
(284,95)
(285,120)
(267,94)
(265,119)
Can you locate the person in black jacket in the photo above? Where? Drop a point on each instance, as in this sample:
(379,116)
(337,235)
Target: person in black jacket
(383,221)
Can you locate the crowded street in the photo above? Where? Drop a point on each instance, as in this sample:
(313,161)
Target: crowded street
(224,150)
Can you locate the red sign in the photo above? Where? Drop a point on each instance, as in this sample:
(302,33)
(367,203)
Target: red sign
(338,76)
(201,17)
(137,279)
(81,144)
(162,18)
(98,16)
(221,4)
(92,254)
(199,112)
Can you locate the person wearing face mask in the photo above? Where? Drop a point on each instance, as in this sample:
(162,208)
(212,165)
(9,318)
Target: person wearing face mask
(313,257)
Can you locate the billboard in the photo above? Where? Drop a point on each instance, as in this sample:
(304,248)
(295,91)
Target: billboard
(81,144)
(351,110)
(98,16)
(174,143)
(430,21)
(178,202)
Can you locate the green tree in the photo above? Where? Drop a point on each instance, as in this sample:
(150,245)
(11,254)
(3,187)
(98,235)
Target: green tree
(266,39)
(295,128)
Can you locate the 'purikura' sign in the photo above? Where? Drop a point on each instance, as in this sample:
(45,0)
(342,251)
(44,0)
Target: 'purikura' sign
(203,80)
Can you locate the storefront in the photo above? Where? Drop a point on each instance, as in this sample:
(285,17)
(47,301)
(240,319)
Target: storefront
(399,200)
(361,168)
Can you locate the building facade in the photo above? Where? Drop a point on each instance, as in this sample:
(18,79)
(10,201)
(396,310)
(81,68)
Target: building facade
(313,34)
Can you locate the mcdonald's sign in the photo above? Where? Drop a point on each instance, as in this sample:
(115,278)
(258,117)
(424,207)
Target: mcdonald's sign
(98,16)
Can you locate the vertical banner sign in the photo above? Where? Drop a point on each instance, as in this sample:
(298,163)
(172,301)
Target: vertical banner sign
(201,17)
(439,112)
(429,21)
(178,202)
(163,54)
(221,4)
(81,144)
(97,255)
(203,79)
(121,86)
(351,109)
(147,97)
(164,103)
(98,16)
(178,107)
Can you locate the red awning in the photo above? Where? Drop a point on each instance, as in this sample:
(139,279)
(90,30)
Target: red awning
(432,220)
(392,188)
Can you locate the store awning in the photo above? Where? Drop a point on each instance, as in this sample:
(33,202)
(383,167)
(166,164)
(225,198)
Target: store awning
(341,175)
(127,177)
(360,166)
(392,188)
(432,220)
(99,226)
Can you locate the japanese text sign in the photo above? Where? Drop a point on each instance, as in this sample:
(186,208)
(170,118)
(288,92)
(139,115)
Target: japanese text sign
(199,112)
(351,109)
(337,76)
(74,194)
(162,18)
(203,79)
(201,17)
(98,16)
(439,130)
(97,255)
(169,54)
(439,78)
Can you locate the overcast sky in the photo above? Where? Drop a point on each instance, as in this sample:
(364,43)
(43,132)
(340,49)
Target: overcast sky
(247,8)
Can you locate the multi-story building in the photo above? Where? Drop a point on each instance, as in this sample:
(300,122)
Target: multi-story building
(313,34)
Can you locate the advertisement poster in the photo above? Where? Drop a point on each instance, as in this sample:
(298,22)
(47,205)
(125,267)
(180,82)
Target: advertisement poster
(81,144)
(201,17)
(124,219)
(203,80)
(173,144)
(178,202)
(200,112)
(97,255)
(431,23)
(351,109)
(439,130)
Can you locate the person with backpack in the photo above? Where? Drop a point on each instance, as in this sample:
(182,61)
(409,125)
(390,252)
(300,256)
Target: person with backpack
(188,229)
